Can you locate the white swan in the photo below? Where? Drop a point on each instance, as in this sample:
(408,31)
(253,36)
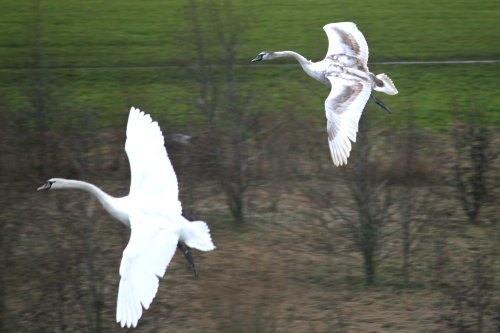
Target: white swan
(345,70)
(152,210)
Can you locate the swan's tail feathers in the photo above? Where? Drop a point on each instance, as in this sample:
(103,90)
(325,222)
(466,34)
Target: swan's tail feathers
(384,84)
(197,235)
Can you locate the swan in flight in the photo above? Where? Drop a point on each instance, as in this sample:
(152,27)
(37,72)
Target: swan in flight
(153,212)
(345,71)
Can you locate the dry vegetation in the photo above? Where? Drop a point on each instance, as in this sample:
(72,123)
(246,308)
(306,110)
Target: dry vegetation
(293,266)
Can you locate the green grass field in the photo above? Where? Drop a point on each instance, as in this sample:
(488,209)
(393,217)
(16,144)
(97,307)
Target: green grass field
(106,56)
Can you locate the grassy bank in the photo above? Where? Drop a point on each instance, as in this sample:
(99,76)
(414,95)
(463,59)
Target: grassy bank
(104,57)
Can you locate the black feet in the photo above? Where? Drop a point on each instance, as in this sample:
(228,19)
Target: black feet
(379,103)
(185,250)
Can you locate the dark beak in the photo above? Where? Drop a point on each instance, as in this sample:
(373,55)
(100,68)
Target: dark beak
(44,187)
(257,58)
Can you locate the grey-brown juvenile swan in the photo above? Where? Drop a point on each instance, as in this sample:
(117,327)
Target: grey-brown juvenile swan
(345,71)
(154,213)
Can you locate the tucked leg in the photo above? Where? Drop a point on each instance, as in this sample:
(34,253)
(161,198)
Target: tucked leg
(379,103)
(185,250)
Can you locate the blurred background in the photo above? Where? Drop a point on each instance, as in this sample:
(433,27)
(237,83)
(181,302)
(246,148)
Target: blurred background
(405,238)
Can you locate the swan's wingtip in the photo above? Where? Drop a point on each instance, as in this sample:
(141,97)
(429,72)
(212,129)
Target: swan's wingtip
(136,113)
(135,110)
(339,163)
(351,24)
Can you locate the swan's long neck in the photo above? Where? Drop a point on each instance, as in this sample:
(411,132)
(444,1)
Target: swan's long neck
(291,54)
(313,69)
(112,205)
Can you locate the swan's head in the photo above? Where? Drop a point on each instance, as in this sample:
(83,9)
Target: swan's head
(52,183)
(264,55)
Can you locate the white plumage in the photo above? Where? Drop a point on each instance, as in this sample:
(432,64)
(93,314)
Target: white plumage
(152,210)
(345,70)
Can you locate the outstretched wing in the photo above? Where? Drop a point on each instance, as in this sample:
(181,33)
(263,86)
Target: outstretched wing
(343,108)
(345,38)
(144,261)
(153,178)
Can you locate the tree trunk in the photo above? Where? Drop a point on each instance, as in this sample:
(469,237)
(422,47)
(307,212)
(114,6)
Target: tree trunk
(370,266)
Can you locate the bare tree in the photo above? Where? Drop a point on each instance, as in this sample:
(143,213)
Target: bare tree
(220,99)
(369,209)
(6,235)
(469,302)
(474,154)
(40,94)
(415,204)
(416,211)
(94,303)
(372,200)
(88,281)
